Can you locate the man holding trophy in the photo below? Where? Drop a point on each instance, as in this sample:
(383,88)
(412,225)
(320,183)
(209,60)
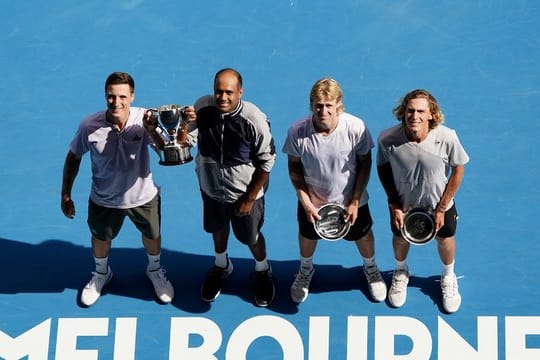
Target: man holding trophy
(235,155)
(420,163)
(329,157)
(122,185)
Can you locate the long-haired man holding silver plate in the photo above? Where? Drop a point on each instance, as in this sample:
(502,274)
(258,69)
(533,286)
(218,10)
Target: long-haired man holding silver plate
(420,163)
(329,159)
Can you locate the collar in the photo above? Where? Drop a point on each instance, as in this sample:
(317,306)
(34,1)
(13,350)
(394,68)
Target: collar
(236,110)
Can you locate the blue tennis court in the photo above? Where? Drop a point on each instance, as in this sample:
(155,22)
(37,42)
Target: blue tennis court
(481,60)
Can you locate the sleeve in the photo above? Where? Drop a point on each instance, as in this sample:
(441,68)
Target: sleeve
(290,146)
(202,102)
(192,129)
(457,154)
(79,144)
(365,141)
(382,154)
(266,151)
(193,132)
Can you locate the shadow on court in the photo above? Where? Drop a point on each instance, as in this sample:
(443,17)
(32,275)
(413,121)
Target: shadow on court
(56,265)
(430,286)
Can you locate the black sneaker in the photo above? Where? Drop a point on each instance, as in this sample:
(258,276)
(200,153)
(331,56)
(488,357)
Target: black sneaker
(211,287)
(264,288)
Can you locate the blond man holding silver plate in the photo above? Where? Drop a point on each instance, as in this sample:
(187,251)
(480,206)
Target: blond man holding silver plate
(329,159)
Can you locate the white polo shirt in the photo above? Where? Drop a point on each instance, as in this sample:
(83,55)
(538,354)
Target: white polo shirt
(121,176)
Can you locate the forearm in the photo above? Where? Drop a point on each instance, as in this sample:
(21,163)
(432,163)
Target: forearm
(451,188)
(258,180)
(300,187)
(182,134)
(71,169)
(386,178)
(363,171)
(151,126)
(156,138)
(187,131)
(296,175)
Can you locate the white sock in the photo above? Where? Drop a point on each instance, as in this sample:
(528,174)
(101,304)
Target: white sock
(306,264)
(261,265)
(402,265)
(102,264)
(221,259)
(369,262)
(448,269)
(154,262)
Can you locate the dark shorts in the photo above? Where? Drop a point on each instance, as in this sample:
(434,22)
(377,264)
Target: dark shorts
(359,229)
(448,229)
(218,215)
(105,223)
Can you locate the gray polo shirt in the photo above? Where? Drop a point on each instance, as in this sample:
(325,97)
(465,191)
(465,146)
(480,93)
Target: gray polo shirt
(421,170)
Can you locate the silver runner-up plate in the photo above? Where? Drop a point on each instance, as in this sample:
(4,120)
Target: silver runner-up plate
(332,225)
(418,226)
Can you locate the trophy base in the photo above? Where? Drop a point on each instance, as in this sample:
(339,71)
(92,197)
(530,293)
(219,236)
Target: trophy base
(175,155)
(178,162)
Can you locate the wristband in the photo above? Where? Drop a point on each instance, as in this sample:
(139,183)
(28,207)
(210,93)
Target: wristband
(440,209)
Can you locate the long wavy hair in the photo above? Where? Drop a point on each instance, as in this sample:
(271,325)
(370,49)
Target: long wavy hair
(401,110)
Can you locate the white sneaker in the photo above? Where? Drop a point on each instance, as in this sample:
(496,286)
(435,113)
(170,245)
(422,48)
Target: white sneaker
(451,300)
(398,291)
(162,286)
(376,284)
(300,286)
(92,291)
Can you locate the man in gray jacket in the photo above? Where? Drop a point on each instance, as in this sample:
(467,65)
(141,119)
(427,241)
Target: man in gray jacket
(235,155)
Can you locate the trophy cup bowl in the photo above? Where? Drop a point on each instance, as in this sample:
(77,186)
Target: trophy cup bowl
(332,225)
(418,226)
(169,120)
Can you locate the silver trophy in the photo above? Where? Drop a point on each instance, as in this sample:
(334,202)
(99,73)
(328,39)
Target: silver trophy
(418,226)
(332,225)
(169,120)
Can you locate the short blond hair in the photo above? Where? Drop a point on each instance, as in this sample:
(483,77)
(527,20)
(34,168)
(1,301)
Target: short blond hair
(326,89)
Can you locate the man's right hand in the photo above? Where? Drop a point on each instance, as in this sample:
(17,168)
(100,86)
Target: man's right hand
(397,216)
(312,212)
(68,207)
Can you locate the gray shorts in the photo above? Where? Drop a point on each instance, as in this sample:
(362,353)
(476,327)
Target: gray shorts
(105,223)
(218,215)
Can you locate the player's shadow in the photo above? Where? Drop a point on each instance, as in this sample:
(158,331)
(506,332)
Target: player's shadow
(430,286)
(336,278)
(328,278)
(56,265)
